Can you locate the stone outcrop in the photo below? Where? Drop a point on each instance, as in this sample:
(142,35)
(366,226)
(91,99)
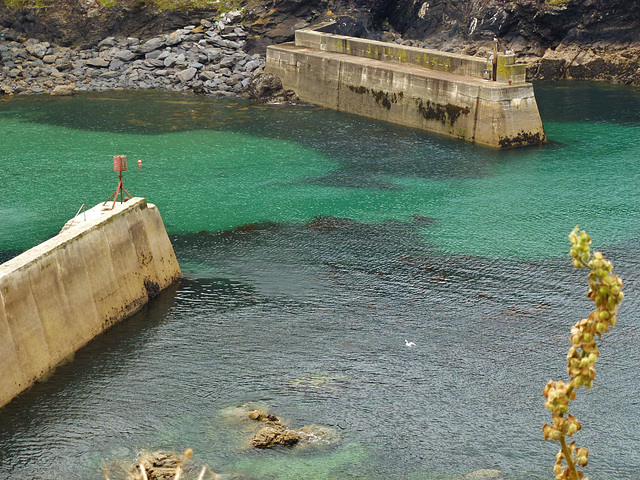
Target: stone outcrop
(267,88)
(615,63)
(273,435)
(274,432)
(582,39)
(260,416)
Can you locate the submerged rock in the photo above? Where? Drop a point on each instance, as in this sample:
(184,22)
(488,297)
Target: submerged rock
(484,474)
(159,465)
(275,433)
(311,435)
(269,430)
(330,223)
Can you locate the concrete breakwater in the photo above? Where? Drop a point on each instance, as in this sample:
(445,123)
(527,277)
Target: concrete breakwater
(205,58)
(456,95)
(57,296)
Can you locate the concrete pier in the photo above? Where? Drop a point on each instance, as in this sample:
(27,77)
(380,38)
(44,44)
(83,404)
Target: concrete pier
(456,95)
(56,297)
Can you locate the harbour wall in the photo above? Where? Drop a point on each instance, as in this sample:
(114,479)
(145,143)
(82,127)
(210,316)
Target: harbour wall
(446,93)
(54,298)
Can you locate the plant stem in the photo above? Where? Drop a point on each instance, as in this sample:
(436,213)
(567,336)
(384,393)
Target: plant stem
(568,457)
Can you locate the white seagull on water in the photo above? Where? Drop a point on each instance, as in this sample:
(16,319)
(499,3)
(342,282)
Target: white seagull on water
(408,343)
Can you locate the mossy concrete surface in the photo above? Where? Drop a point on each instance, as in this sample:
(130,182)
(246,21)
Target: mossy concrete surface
(57,296)
(448,96)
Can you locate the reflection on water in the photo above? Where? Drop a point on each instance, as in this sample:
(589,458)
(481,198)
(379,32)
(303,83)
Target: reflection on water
(356,242)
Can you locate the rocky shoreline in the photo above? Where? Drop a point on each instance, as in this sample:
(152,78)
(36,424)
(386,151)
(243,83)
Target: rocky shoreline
(206,58)
(219,55)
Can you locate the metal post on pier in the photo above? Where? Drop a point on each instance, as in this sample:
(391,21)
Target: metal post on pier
(119,165)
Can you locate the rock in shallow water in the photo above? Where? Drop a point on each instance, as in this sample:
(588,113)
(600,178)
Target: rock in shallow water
(158,465)
(273,435)
(261,416)
(267,88)
(484,474)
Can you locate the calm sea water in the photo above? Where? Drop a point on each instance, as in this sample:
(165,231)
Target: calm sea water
(356,235)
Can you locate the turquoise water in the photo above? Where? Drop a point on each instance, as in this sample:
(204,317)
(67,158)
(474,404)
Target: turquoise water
(214,165)
(361,234)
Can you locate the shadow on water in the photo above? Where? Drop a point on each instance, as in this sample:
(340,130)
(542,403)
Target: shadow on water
(310,318)
(366,149)
(6,255)
(331,285)
(576,101)
(111,348)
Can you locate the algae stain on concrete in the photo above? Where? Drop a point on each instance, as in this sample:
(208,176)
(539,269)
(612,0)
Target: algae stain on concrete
(444,114)
(523,138)
(386,99)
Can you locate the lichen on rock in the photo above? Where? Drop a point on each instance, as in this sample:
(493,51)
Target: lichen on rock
(261,416)
(273,435)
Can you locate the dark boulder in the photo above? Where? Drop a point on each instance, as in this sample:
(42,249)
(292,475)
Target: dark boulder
(267,88)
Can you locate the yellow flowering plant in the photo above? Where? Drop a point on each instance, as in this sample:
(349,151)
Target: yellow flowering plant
(605,290)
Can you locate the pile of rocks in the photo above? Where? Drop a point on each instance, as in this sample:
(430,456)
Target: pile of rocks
(207,58)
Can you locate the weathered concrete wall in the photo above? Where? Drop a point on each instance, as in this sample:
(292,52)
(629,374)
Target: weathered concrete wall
(321,38)
(467,107)
(392,52)
(57,296)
